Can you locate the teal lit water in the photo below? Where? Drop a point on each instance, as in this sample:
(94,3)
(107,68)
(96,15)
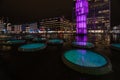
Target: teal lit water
(39,39)
(16,41)
(85,58)
(33,46)
(29,36)
(83,44)
(116,45)
(55,41)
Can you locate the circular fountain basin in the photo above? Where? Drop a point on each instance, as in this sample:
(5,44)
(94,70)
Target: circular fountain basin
(15,42)
(39,39)
(116,46)
(32,47)
(86,45)
(86,61)
(55,42)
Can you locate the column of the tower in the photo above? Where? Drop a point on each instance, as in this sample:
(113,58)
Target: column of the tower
(81,9)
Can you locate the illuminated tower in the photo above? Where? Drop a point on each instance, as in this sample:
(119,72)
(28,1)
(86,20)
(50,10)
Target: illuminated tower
(81,9)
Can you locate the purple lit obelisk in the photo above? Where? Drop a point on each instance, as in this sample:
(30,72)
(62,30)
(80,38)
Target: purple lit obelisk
(81,40)
(81,9)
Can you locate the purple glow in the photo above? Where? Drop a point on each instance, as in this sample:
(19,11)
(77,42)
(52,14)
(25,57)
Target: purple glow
(82,40)
(81,16)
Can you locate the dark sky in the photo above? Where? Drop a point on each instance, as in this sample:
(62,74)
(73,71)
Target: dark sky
(32,10)
(115,12)
(28,10)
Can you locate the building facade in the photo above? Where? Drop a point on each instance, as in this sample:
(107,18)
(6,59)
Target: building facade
(98,18)
(81,11)
(2,25)
(55,24)
(99,15)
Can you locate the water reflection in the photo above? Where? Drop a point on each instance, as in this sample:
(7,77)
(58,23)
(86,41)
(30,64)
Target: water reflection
(85,58)
(94,38)
(70,75)
(82,40)
(103,38)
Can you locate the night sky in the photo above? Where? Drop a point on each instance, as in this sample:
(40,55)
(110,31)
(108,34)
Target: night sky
(30,10)
(21,11)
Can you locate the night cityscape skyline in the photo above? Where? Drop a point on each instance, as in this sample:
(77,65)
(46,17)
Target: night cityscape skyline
(29,11)
(59,39)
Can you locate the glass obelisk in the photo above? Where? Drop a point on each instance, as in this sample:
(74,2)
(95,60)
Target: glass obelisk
(81,10)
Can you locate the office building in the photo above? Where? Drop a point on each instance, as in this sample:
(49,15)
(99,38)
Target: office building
(98,18)
(55,24)
(99,15)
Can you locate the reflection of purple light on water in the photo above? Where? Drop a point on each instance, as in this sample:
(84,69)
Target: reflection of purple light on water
(83,60)
(83,53)
(82,40)
(82,43)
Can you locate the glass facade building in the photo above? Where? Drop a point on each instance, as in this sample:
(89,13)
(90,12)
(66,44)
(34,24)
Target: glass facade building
(98,17)
(56,24)
(81,11)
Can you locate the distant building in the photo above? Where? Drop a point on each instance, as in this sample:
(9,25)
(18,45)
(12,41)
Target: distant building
(2,25)
(22,28)
(99,15)
(33,27)
(116,29)
(17,28)
(9,28)
(55,24)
